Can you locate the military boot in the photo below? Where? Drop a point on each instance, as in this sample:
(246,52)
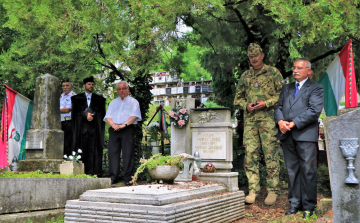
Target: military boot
(271,199)
(250,198)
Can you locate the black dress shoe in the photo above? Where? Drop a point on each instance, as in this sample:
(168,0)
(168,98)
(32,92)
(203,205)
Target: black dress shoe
(291,210)
(114,181)
(308,213)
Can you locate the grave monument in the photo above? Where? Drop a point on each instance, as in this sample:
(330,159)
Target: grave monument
(342,134)
(44,140)
(209,131)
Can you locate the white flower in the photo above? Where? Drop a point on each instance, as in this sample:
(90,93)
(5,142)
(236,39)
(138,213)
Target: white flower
(65,156)
(79,151)
(79,157)
(73,153)
(71,157)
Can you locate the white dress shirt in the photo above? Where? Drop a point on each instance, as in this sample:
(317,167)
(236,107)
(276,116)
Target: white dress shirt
(301,83)
(121,110)
(88,98)
(65,101)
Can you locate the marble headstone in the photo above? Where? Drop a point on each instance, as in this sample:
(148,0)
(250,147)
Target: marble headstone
(346,202)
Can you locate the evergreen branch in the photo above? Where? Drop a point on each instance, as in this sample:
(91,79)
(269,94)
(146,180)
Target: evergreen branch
(196,29)
(245,26)
(326,54)
(234,3)
(111,65)
(221,19)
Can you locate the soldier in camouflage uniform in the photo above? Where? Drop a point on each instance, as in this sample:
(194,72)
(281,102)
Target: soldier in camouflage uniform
(261,84)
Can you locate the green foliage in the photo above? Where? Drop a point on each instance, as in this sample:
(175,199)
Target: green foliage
(211,104)
(40,174)
(154,161)
(323,182)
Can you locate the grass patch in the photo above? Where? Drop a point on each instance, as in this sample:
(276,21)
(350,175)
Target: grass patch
(40,174)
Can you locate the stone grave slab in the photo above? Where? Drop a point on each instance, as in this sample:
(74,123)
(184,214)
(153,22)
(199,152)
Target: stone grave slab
(346,202)
(197,201)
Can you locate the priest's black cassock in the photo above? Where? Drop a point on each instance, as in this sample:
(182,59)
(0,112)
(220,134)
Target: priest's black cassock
(89,135)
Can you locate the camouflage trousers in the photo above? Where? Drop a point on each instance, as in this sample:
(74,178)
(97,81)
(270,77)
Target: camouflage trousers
(261,134)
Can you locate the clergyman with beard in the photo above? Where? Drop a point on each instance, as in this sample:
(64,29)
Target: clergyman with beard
(88,111)
(257,94)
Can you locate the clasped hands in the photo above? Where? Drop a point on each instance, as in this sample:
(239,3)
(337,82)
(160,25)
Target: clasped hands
(118,127)
(285,126)
(260,105)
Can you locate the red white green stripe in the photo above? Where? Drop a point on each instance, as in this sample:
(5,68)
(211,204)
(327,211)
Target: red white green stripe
(15,121)
(338,79)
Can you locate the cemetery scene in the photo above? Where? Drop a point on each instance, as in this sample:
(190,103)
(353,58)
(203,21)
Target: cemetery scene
(179,111)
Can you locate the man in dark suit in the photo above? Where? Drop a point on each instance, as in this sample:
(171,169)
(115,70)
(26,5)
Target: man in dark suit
(88,111)
(296,116)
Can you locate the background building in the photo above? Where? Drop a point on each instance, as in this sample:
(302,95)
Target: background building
(166,86)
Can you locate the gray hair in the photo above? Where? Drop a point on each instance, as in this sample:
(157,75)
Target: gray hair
(306,60)
(122,82)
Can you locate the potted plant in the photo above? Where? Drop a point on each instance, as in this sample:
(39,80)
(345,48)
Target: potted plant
(72,164)
(162,168)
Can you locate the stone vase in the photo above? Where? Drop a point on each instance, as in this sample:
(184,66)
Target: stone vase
(72,167)
(155,148)
(166,173)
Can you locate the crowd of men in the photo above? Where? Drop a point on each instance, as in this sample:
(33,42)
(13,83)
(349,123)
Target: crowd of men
(287,113)
(83,118)
(272,112)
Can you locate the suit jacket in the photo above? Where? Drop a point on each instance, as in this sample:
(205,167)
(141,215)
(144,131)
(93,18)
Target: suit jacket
(304,110)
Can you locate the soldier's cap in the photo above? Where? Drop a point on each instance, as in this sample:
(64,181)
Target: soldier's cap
(88,79)
(253,50)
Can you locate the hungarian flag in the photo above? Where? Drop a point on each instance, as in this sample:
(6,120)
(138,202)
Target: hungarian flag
(15,121)
(338,79)
(162,120)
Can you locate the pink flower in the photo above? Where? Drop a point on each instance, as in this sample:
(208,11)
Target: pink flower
(172,114)
(181,122)
(183,111)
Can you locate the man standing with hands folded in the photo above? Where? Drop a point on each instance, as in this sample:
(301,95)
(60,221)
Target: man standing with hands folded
(122,115)
(296,115)
(257,93)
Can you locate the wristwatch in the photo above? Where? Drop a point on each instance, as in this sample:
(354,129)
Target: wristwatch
(125,124)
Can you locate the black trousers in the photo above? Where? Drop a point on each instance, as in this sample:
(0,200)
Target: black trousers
(300,158)
(122,140)
(66,127)
(88,156)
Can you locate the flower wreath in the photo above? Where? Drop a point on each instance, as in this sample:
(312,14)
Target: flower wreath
(179,116)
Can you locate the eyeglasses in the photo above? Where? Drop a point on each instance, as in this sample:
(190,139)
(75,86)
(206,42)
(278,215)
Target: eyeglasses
(299,68)
(119,89)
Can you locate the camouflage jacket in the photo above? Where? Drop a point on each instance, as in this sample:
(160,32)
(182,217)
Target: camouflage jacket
(265,86)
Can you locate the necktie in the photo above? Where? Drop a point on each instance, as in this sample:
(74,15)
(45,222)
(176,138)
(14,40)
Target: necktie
(88,101)
(296,89)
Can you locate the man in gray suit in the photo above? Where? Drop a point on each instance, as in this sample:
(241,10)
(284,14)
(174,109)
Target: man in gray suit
(296,116)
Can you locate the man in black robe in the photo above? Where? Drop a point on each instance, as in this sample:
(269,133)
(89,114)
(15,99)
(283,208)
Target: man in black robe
(88,111)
